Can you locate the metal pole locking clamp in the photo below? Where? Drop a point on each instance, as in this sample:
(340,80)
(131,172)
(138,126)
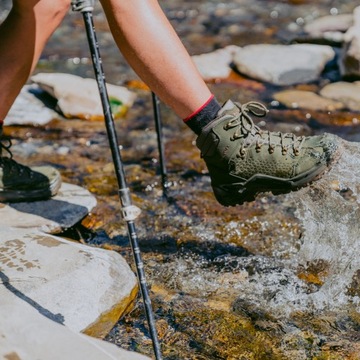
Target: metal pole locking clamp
(130,213)
(82,5)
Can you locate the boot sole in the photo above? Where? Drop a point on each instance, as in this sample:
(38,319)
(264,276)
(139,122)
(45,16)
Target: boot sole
(239,193)
(11,196)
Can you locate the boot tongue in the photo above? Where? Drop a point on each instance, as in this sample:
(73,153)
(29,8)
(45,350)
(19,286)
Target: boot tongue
(227,108)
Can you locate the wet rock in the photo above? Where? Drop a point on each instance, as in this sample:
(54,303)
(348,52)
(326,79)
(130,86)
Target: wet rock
(215,65)
(64,210)
(299,99)
(350,59)
(345,92)
(79,97)
(281,64)
(85,288)
(29,110)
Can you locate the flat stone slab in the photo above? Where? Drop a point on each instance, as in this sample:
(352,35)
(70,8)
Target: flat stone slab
(68,207)
(85,288)
(27,335)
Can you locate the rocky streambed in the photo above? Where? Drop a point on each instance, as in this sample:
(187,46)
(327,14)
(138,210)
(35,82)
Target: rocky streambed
(274,279)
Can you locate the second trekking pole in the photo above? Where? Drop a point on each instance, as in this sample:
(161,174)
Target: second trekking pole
(129,211)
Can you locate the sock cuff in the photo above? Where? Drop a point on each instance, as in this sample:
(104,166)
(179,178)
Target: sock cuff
(205,114)
(199,109)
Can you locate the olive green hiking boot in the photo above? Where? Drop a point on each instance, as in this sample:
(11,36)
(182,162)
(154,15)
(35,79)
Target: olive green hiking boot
(244,160)
(21,183)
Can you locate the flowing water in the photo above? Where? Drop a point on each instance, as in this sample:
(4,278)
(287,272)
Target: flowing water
(274,279)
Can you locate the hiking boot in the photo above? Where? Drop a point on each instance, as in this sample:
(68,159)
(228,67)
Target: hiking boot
(22,183)
(244,160)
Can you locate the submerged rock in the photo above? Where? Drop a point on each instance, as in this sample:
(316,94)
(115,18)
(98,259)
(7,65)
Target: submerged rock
(282,64)
(79,97)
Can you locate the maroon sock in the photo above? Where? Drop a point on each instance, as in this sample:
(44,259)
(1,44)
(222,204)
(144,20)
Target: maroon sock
(202,116)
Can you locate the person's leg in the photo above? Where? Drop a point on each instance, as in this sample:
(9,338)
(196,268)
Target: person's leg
(242,159)
(23,36)
(150,45)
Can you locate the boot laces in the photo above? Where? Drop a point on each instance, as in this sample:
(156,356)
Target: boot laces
(246,129)
(9,165)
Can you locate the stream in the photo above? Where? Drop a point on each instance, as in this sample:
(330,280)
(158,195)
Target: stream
(266,280)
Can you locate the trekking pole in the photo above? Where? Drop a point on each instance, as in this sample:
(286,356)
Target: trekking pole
(158,126)
(129,212)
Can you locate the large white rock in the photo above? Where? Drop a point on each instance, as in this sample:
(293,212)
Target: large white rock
(68,207)
(85,288)
(79,97)
(283,64)
(27,335)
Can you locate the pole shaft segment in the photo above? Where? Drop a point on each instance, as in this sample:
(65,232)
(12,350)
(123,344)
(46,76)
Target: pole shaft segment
(158,126)
(128,211)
